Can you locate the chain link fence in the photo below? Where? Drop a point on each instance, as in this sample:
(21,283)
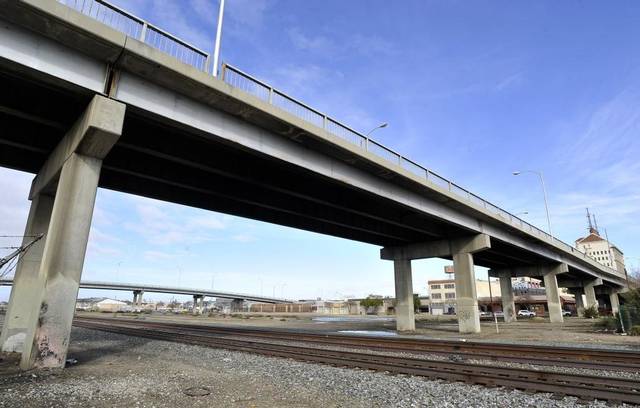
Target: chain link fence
(630,319)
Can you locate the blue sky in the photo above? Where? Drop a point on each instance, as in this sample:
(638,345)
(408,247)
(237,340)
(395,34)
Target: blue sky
(472,90)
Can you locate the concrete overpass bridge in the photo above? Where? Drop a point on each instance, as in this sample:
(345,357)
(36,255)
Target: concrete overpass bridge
(138,290)
(93,96)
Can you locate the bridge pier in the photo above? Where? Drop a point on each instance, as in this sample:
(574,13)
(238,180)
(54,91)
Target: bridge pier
(405,313)
(197,304)
(70,174)
(27,281)
(554,305)
(461,250)
(237,304)
(506,294)
(615,302)
(578,292)
(137,299)
(590,293)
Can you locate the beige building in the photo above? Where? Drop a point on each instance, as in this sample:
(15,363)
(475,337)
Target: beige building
(601,250)
(443,294)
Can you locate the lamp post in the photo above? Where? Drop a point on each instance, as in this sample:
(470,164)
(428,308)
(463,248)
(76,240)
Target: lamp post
(380,126)
(544,191)
(216,49)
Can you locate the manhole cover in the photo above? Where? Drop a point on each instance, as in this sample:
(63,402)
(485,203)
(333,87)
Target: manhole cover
(197,391)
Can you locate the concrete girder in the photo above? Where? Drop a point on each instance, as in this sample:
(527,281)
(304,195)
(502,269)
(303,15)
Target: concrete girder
(437,249)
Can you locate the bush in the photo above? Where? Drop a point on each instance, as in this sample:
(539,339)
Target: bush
(635,330)
(607,323)
(371,302)
(591,312)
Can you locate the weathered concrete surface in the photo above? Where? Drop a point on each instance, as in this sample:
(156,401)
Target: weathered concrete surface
(590,294)
(615,302)
(48,334)
(404,308)
(53,295)
(93,135)
(554,305)
(579,293)
(27,281)
(466,296)
(506,293)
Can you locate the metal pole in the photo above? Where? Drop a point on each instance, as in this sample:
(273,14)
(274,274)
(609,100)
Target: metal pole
(216,50)
(546,204)
(495,318)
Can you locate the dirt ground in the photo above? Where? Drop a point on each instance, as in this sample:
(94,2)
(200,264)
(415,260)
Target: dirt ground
(120,371)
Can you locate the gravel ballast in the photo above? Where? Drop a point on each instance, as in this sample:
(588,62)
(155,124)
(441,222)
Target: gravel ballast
(121,371)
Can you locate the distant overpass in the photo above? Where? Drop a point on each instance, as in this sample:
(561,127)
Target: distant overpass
(93,96)
(135,287)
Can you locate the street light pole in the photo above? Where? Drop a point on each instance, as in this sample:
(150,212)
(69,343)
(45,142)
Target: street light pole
(544,192)
(216,49)
(380,126)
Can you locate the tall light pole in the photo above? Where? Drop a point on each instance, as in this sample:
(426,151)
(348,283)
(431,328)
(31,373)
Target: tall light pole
(380,126)
(216,49)
(544,192)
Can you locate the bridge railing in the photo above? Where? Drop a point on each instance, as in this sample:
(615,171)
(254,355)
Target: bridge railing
(241,80)
(138,28)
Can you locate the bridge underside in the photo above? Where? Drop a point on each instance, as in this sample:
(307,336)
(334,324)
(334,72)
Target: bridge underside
(162,160)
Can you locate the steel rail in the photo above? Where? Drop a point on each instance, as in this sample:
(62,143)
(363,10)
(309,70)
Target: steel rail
(582,386)
(597,359)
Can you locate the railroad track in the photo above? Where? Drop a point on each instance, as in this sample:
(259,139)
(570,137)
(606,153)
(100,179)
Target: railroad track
(596,359)
(612,389)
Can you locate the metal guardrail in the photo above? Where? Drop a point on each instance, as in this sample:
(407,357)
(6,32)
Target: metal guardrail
(138,28)
(241,80)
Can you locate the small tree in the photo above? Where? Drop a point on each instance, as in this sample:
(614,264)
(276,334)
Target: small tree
(371,302)
(416,302)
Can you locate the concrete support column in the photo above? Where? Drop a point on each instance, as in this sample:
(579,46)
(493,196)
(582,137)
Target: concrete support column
(615,302)
(71,172)
(506,291)
(62,262)
(553,294)
(466,296)
(405,320)
(194,308)
(462,250)
(590,295)
(27,282)
(578,293)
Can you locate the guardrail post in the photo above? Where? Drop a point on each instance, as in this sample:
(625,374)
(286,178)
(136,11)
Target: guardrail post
(271,95)
(449,186)
(207,61)
(224,71)
(143,33)
(324,122)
